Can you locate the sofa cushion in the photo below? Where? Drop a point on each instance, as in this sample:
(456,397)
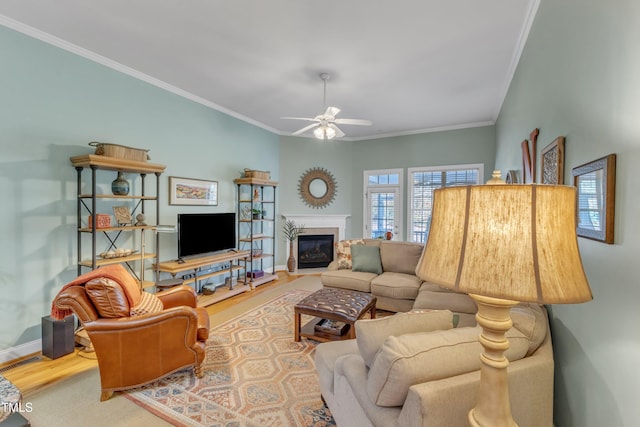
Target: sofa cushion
(396,285)
(347,279)
(371,333)
(343,252)
(416,358)
(434,297)
(108,297)
(531,320)
(400,257)
(366,259)
(149,303)
(325,358)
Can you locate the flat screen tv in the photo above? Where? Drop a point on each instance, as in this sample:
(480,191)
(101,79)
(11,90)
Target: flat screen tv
(202,233)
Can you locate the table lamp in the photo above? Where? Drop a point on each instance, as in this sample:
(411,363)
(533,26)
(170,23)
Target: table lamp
(504,244)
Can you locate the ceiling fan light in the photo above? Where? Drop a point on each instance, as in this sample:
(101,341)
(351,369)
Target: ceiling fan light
(324,132)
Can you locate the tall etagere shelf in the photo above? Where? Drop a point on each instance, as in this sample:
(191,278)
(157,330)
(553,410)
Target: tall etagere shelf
(88,205)
(256,227)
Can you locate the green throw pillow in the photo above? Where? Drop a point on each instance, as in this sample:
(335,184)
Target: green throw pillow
(366,259)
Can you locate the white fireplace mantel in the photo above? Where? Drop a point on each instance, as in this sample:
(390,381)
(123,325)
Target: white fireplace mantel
(332,223)
(321,221)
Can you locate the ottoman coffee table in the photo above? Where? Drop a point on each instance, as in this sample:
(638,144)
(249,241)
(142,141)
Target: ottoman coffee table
(332,304)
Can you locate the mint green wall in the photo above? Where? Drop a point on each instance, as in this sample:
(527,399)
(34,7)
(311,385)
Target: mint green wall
(454,147)
(347,161)
(52,103)
(297,155)
(579,77)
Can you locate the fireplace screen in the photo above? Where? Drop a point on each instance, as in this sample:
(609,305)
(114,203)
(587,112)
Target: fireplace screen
(315,251)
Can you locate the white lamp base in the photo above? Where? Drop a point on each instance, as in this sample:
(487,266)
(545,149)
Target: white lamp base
(493,408)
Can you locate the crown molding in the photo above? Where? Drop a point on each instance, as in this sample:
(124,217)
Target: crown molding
(92,56)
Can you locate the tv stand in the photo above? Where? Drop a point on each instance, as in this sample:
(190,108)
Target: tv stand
(194,269)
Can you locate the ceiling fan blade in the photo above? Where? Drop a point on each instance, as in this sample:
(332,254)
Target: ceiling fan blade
(332,111)
(309,119)
(354,122)
(339,133)
(304,129)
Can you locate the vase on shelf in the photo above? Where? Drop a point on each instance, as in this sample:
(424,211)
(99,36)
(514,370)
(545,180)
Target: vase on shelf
(120,186)
(291,262)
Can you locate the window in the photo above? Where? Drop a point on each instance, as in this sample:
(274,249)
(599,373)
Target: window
(422,183)
(383,203)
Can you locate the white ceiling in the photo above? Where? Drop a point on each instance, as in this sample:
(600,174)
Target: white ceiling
(410,66)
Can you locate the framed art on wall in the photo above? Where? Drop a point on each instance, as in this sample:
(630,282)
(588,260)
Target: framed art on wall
(187,191)
(596,185)
(552,157)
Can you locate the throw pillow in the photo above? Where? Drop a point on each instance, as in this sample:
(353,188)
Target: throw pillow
(531,320)
(343,252)
(149,303)
(108,297)
(366,259)
(417,358)
(371,333)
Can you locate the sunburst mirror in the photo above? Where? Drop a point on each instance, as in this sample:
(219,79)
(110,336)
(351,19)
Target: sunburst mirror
(317,187)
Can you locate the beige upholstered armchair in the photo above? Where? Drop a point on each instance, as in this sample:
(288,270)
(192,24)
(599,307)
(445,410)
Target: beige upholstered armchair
(416,370)
(138,337)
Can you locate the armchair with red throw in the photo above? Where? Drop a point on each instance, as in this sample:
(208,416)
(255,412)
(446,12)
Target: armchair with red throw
(138,337)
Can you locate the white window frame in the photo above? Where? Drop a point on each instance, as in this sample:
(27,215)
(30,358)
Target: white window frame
(399,187)
(411,171)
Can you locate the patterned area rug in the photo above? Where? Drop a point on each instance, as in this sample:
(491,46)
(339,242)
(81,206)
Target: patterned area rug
(255,375)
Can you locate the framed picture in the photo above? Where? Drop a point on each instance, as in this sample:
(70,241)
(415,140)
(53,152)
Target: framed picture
(512,177)
(122,214)
(596,184)
(186,191)
(553,162)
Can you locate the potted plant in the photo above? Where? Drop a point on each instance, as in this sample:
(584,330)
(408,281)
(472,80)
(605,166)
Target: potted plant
(257,213)
(291,231)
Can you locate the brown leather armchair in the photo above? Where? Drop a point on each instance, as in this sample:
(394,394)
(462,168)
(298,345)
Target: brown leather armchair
(133,351)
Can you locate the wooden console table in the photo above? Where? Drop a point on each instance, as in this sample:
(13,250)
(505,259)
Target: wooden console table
(194,269)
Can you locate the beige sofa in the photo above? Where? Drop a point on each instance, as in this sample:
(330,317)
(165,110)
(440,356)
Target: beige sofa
(397,288)
(415,369)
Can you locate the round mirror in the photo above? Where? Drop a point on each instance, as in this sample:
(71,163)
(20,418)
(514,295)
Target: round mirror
(317,187)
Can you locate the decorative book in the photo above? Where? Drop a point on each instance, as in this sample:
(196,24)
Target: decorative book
(333,327)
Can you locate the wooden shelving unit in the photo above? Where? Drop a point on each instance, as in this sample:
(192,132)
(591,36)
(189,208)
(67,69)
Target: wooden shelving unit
(90,203)
(256,232)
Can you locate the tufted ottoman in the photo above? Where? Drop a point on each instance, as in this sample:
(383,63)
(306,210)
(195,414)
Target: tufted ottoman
(342,305)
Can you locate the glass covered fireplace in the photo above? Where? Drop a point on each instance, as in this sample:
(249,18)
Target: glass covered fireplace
(315,250)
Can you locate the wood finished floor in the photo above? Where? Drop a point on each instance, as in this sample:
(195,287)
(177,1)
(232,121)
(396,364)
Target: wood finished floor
(37,371)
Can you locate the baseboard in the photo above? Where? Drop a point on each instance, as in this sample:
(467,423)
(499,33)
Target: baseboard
(13,353)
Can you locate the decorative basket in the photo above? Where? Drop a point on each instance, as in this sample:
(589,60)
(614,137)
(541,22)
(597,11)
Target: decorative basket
(250,173)
(120,151)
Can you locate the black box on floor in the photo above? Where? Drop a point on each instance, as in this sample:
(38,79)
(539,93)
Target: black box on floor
(15,420)
(57,336)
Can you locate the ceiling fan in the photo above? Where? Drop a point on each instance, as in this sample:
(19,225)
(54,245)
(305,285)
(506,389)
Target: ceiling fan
(325,123)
